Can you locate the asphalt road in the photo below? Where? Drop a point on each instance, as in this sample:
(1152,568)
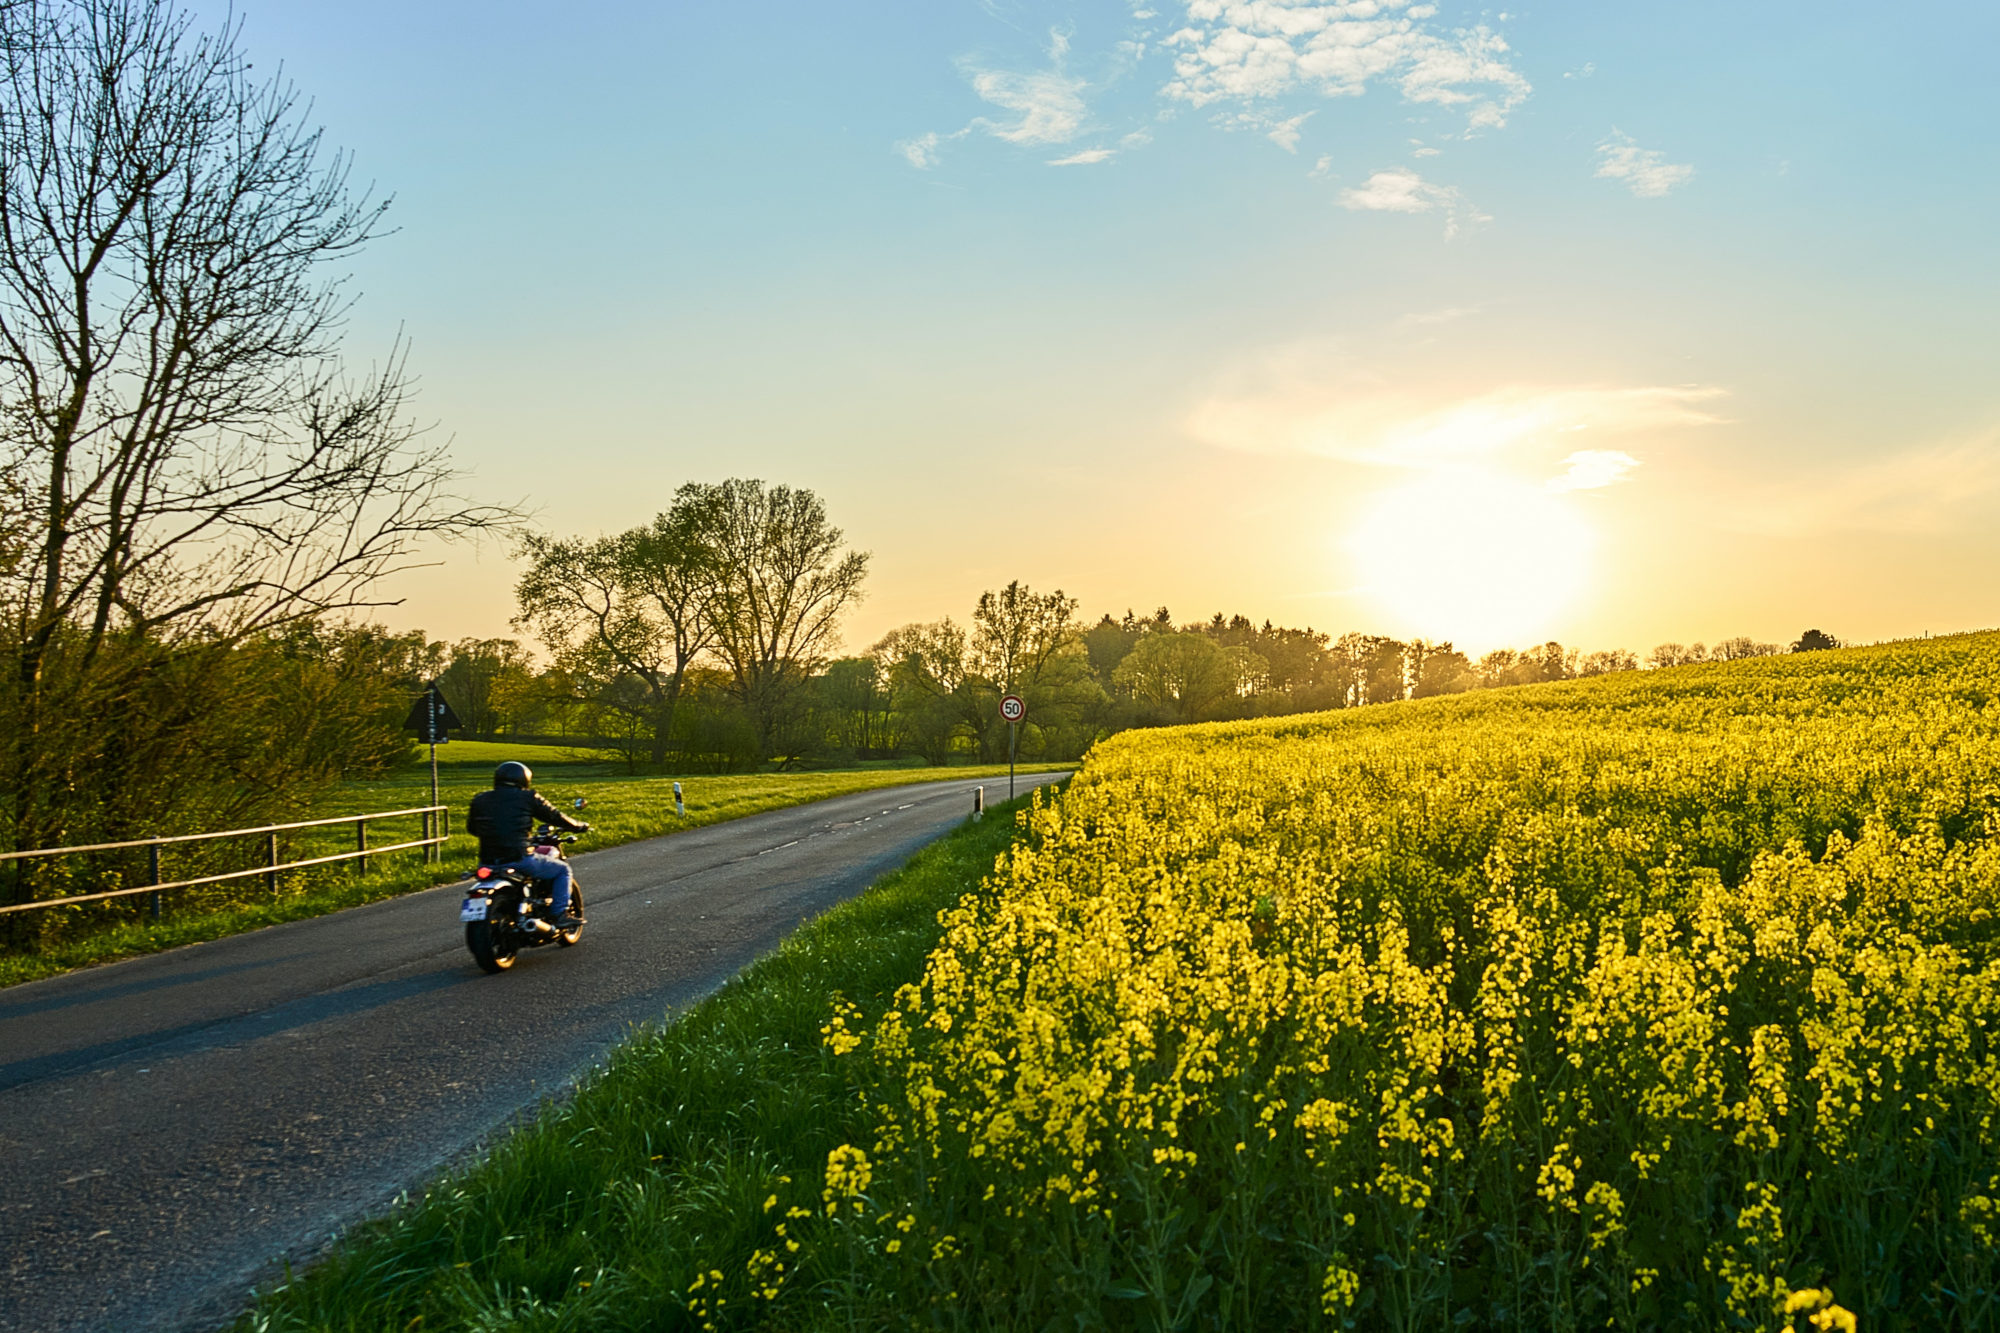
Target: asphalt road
(174,1126)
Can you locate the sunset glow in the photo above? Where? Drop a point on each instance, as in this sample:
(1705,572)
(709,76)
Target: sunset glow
(1472,556)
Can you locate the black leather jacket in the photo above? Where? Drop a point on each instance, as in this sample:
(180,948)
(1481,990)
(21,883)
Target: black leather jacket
(503,819)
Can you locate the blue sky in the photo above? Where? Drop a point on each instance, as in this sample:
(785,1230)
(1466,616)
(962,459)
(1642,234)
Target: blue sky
(1614,323)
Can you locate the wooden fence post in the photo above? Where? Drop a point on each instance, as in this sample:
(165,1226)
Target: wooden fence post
(361,845)
(271,879)
(153,875)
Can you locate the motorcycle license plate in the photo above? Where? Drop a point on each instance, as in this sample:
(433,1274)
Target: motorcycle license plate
(474,909)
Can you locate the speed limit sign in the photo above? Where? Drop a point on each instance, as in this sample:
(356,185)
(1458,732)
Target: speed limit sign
(1012,708)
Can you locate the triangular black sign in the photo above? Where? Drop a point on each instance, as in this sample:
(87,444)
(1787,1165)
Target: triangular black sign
(431,717)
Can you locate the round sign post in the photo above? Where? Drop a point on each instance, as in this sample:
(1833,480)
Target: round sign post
(1013,708)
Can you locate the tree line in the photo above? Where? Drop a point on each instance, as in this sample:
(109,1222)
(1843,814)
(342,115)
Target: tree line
(705,640)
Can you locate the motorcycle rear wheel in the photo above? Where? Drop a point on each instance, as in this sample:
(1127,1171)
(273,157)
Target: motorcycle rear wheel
(491,945)
(574,933)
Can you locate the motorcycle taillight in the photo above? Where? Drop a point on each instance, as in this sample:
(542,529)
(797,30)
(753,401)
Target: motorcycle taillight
(484,872)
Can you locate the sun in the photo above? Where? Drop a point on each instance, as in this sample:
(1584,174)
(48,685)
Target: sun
(1472,556)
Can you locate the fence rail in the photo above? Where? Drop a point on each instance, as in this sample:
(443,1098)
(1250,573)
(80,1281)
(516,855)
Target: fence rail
(433,837)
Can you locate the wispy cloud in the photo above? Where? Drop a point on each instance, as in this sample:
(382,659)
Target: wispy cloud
(1301,401)
(1089,157)
(1400,190)
(1645,172)
(1281,131)
(1933,488)
(922,151)
(1047,105)
(1425,318)
(1248,50)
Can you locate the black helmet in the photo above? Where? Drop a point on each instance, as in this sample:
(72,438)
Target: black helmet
(513,773)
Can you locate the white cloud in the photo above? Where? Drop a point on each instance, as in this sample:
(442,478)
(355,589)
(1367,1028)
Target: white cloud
(1088,157)
(1400,190)
(1245,50)
(1285,133)
(1645,172)
(1324,166)
(1592,469)
(1136,139)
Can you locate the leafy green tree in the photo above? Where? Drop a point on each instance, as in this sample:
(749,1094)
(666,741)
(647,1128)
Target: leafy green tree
(1188,676)
(1813,641)
(486,682)
(854,694)
(1029,644)
(935,694)
(1367,669)
(782,583)
(1437,668)
(627,617)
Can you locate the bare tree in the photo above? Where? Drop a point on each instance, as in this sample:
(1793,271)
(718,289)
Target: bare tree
(783,583)
(1605,662)
(187,459)
(1740,647)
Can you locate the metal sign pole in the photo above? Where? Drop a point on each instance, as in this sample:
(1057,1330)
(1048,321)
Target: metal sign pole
(1013,708)
(434,853)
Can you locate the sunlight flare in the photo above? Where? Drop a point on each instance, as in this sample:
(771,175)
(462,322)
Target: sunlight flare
(1472,556)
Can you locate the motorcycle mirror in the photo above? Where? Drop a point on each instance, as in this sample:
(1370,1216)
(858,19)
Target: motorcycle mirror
(579,803)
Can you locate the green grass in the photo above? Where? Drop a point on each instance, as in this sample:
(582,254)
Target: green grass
(600,1212)
(622,808)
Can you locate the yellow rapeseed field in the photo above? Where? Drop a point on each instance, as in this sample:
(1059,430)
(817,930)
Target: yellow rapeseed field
(1659,1000)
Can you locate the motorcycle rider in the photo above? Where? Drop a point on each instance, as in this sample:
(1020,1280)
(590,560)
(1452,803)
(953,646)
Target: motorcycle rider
(503,819)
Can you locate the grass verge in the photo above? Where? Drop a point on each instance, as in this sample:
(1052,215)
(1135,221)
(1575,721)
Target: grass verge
(622,809)
(601,1212)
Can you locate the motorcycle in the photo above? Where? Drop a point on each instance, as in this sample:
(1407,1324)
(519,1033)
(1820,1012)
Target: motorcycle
(506,911)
